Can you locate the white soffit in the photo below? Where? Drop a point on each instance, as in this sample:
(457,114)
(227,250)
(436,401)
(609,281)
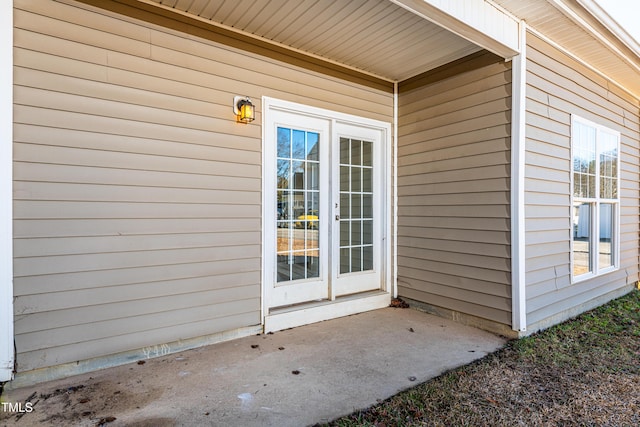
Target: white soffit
(601,15)
(391,39)
(586,34)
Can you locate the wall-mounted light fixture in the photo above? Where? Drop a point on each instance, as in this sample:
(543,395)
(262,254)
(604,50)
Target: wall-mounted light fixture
(243,108)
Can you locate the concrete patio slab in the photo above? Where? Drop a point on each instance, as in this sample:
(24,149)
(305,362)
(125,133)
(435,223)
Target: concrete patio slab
(297,377)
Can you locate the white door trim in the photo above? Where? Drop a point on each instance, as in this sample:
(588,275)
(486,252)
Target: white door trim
(6,192)
(377,299)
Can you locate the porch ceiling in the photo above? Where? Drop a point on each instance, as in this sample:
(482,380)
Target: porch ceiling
(398,39)
(374,36)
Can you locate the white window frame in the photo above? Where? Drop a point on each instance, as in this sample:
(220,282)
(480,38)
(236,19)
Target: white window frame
(595,207)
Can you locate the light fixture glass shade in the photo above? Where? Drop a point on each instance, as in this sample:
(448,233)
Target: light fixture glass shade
(244,109)
(247,113)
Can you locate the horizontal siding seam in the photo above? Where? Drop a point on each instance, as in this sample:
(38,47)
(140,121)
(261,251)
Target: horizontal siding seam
(503,298)
(87,342)
(453,265)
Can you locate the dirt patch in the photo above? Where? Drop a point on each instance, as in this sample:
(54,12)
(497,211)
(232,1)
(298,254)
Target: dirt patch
(93,403)
(153,422)
(584,372)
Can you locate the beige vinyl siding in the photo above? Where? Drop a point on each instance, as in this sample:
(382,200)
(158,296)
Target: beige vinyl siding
(558,86)
(453,189)
(137,197)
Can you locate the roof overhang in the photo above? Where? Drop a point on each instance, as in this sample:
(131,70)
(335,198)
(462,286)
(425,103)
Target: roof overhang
(584,30)
(390,39)
(609,23)
(394,40)
(477,21)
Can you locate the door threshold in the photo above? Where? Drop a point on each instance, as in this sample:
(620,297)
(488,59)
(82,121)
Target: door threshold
(318,311)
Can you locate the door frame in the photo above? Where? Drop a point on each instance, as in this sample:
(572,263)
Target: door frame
(342,306)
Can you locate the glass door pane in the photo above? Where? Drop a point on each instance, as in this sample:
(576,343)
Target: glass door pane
(298,205)
(356,206)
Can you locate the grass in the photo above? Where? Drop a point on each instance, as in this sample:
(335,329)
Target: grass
(584,372)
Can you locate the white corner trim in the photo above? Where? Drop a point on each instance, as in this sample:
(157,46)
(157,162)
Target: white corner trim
(518,141)
(7,357)
(395,190)
(263,292)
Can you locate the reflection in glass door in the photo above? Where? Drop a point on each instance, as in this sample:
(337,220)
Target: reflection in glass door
(298,204)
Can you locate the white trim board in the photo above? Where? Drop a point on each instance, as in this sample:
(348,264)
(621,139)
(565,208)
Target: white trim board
(394,153)
(7,357)
(598,14)
(518,142)
(319,312)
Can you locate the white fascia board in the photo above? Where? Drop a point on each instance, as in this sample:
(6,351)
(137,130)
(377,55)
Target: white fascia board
(611,24)
(599,14)
(6,191)
(478,21)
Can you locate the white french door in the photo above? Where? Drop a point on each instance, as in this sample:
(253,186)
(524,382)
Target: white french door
(358,215)
(324,219)
(298,181)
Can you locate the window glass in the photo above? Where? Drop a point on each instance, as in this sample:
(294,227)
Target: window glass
(606,229)
(298,205)
(595,197)
(608,151)
(581,238)
(584,160)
